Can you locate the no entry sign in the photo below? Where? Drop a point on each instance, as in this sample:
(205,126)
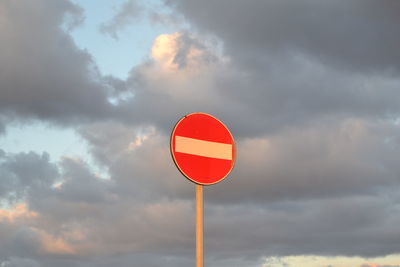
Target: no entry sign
(203,149)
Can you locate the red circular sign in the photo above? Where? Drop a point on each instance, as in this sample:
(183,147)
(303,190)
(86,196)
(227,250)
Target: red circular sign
(203,149)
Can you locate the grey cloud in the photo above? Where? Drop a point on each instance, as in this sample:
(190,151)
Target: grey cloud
(25,242)
(356,34)
(86,205)
(326,227)
(127,13)
(138,259)
(23,172)
(78,195)
(255,102)
(185,44)
(142,259)
(142,203)
(80,184)
(159,99)
(17,240)
(43,74)
(329,159)
(320,185)
(281,77)
(20,262)
(317,169)
(132,11)
(137,158)
(2,127)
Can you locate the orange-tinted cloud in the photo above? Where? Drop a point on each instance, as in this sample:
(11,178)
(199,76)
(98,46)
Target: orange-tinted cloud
(18,211)
(55,245)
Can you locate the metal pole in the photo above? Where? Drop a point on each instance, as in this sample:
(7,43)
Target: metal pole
(199,226)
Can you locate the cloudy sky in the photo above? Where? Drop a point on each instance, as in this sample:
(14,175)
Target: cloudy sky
(90,91)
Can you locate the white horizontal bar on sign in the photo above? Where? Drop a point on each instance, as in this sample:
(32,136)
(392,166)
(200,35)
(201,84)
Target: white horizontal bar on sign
(203,148)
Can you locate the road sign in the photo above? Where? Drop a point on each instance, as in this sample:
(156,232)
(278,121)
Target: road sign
(203,149)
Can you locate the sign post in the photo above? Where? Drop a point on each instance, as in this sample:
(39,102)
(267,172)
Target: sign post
(204,151)
(199,226)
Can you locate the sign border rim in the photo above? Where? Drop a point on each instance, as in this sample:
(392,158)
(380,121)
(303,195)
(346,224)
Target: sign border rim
(173,156)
